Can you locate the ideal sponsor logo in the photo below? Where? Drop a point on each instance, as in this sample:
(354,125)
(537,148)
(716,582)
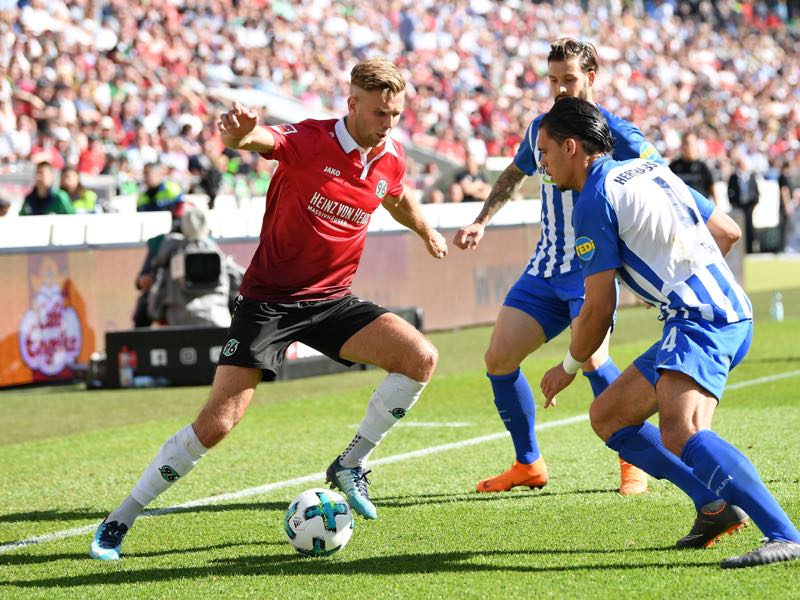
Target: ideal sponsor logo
(50,334)
(337,212)
(584,248)
(332,171)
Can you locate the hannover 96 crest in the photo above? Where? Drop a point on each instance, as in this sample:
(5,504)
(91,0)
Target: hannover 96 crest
(380,190)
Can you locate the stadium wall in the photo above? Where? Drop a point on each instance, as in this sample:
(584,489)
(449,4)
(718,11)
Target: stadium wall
(59,302)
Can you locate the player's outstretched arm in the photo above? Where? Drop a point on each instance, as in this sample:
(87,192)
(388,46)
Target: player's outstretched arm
(240,130)
(504,188)
(406,211)
(589,329)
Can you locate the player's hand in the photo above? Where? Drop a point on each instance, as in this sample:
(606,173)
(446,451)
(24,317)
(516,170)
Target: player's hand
(436,244)
(470,236)
(555,380)
(238,122)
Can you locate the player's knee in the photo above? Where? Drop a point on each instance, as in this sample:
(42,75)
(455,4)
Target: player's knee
(426,358)
(674,436)
(498,362)
(599,418)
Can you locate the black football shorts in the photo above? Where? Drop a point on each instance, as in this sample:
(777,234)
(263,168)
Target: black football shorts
(260,332)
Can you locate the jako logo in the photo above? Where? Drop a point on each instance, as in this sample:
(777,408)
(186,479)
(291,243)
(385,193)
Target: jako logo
(584,247)
(332,171)
(398,413)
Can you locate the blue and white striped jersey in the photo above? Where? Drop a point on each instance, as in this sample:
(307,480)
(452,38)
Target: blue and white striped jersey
(638,217)
(555,252)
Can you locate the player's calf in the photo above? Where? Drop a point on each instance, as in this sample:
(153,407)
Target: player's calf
(174,460)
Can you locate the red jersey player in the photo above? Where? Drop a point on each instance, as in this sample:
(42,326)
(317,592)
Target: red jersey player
(332,175)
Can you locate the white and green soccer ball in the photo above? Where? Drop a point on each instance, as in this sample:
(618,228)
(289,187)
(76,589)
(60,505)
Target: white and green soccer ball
(318,522)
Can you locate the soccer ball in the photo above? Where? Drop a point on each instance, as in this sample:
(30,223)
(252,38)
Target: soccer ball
(318,522)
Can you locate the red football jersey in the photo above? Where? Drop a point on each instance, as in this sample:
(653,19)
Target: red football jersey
(318,207)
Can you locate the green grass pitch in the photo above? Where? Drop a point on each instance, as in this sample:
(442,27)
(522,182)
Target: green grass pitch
(68,456)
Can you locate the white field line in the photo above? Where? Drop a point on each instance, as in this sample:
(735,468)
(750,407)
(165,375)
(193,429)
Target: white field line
(443,424)
(316,477)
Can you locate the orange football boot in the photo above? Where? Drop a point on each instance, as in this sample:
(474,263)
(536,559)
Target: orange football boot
(632,480)
(533,475)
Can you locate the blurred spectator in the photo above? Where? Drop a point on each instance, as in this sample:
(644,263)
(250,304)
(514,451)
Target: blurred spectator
(138,76)
(46,150)
(206,177)
(743,194)
(92,159)
(159,193)
(427,184)
(45,198)
(789,185)
(470,184)
(692,170)
(83,200)
(5,206)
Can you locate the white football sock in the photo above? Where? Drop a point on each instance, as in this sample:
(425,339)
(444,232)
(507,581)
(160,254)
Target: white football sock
(127,512)
(175,459)
(390,402)
(357,452)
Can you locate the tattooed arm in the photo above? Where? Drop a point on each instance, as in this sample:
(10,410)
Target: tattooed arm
(504,188)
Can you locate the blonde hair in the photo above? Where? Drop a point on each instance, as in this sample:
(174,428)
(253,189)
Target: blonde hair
(377,74)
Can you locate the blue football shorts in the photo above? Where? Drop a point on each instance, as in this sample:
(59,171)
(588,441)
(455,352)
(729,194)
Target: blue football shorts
(553,301)
(703,350)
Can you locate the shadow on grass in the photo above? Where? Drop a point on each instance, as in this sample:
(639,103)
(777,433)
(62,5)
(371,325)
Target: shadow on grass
(79,514)
(424,499)
(400,564)
(74,514)
(23,559)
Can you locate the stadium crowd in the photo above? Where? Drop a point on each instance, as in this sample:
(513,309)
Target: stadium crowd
(108,87)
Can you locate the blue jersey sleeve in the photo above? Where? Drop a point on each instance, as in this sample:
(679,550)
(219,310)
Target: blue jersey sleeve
(629,141)
(704,206)
(525,158)
(596,233)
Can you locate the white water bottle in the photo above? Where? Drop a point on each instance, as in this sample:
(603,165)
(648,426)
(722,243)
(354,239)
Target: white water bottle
(776,310)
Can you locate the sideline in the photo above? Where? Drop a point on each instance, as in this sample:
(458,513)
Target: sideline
(317,477)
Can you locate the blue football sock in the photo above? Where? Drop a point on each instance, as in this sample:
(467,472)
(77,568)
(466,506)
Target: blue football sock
(730,475)
(602,377)
(641,445)
(514,401)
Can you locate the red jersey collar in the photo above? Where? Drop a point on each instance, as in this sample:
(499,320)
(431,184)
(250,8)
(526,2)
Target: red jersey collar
(349,144)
